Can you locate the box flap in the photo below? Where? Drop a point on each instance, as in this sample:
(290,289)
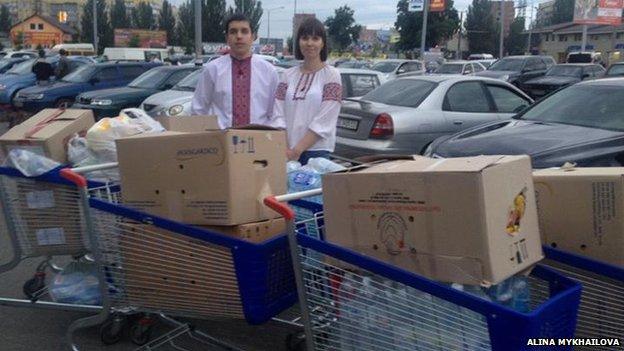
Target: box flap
(580,172)
(189,124)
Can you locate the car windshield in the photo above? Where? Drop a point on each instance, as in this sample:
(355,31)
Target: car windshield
(22,68)
(80,75)
(148,80)
(189,83)
(596,106)
(450,68)
(4,64)
(579,58)
(385,67)
(507,65)
(567,71)
(401,92)
(616,70)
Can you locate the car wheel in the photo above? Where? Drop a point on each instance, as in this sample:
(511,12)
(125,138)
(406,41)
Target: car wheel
(63,103)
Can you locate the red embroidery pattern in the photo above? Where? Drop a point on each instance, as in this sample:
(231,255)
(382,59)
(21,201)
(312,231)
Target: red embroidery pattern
(303,86)
(280,93)
(241,86)
(332,92)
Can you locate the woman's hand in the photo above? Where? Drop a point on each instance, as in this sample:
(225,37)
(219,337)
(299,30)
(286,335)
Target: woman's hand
(293,155)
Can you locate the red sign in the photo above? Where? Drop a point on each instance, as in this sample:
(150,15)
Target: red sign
(437,6)
(607,12)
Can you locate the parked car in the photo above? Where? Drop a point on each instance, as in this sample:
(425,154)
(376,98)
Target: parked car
(559,76)
(486,62)
(404,115)
(87,78)
(7,64)
(476,57)
(109,102)
(18,54)
(615,70)
(460,67)
(394,68)
(358,82)
(518,69)
(20,76)
(585,57)
(583,124)
(361,64)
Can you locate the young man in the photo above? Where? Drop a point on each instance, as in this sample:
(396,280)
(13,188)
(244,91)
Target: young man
(239,88)
(62,68)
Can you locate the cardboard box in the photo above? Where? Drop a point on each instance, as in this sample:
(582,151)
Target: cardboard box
(466,220)
(581,210)
(50,221)
(47,132)
(210,178)
(255,232)
(189,124)
(169,271)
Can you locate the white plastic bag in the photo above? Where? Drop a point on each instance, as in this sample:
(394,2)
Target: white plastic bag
(77,150)
(77,283)
(30,163)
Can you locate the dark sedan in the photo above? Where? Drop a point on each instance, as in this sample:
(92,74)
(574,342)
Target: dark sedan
(560,76)
(109,102)
(583,124)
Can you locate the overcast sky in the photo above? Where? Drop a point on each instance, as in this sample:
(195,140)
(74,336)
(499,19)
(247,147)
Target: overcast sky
(373,14)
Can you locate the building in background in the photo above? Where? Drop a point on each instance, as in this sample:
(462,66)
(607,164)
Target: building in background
(41,30)
(509,12)
(66,12)
(544,13)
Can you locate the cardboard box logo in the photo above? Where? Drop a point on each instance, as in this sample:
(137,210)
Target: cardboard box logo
(516,212)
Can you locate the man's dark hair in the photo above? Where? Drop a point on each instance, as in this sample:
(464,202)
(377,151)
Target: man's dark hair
(63,52)
(311,27)
(237,17)
(41,53)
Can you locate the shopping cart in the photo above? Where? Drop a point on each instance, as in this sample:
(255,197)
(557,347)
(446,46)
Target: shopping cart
(601,312)
(352,302)
(44,219)
(158,266)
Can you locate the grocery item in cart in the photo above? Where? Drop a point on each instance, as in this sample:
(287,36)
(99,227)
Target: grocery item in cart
(77,283)
(47,132)
(581,210)
(255,232)
(208,178)
(30,163)
(467,220)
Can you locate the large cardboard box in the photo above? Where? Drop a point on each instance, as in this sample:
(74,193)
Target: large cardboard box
(189,124)
(47,132)
(582,210)
(255,232)
(212,178)
(466,220)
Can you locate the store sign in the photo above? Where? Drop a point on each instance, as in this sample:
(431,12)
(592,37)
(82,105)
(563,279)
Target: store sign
(607,12)
(416,5)
(437,6)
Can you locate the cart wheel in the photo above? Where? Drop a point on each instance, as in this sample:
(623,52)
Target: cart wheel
(32,286)
(140,333)
(110,331)
(296,342)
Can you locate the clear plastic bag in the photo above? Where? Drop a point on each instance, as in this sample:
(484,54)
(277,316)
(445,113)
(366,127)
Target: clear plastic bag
(78,283)
(30,163)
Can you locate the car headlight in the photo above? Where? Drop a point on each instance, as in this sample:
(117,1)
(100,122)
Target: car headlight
(175,110)
(2,86)
(32,97)
(101,102)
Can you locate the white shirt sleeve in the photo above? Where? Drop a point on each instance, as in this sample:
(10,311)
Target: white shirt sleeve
(324,122)
(278,103)
(202,98)
(276,117)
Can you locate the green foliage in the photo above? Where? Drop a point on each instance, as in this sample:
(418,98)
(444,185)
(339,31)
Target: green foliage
(342,29)
(213,20)
(441,26)
(250,8)
(563,11)
(481,30)
(143,16)
(5,19)
(104,29)
(166,20)
(516,42)
(119,15)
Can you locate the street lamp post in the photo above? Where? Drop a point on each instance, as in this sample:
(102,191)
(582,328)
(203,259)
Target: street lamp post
(269,21)
(198,29)
(95,36)
(294,34)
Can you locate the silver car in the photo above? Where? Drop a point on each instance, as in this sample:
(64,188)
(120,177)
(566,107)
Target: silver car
(403,116)
(395,68)
(460,67)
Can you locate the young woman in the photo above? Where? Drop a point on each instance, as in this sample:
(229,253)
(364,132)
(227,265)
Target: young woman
(308,97)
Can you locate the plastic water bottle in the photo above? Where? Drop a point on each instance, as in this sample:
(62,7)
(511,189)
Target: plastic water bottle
(521,294)
(502,293)
(323,165)
(305,179)
(292,166)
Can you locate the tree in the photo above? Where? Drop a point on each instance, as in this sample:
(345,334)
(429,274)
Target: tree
(440,26)
(516,42)
(213,18)
(134,42)
(481,31)
(119,15)
(289,44)
(166,20)
(105,34)
(185,27)
(5,19)
(143,16)
(250,8)
(563,11)
(341,28)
